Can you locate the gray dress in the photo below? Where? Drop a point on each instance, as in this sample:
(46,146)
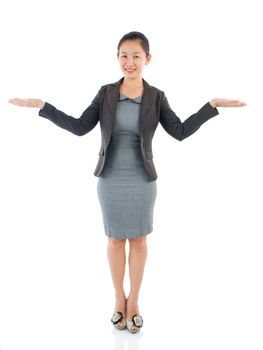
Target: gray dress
(125,194)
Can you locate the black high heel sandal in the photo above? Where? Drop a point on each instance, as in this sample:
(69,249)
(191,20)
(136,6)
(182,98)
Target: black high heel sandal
(135,324)
(118,320)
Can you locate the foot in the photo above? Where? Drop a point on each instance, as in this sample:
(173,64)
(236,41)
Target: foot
(120,306)
(133,309)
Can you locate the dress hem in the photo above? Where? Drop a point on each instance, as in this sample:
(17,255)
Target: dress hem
(128,237)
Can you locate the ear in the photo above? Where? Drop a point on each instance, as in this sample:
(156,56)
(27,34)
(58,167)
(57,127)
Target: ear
(148,59)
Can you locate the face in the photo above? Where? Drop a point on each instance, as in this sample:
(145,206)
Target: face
(132,58)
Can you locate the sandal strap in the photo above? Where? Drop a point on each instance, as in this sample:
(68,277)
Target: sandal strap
(137,320)
(117,317)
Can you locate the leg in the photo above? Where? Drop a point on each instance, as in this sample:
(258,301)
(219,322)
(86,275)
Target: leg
(137,259)
(117,260)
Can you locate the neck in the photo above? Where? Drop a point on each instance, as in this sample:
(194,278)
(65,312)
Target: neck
(132,83)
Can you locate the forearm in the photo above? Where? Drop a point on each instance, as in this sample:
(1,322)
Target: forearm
(181,130)
(77,126)
(194,122)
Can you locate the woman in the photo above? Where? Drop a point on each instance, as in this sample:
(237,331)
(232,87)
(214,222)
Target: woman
(125,191)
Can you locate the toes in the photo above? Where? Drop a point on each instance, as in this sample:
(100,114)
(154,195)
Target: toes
(120,325)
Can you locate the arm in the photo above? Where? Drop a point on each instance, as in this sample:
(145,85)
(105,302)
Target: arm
(78,126)
(180,130)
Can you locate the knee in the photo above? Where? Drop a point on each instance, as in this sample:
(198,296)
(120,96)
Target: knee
(138,242)
(116,242)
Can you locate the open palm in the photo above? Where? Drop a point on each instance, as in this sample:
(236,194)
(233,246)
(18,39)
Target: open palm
(27,102)
(226,102)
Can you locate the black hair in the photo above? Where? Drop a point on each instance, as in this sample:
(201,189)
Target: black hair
(136,36)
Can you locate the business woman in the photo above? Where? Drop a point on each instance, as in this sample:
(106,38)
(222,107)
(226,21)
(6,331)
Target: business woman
(129,111)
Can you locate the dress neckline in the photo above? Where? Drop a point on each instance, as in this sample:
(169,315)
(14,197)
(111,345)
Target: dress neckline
(136,99)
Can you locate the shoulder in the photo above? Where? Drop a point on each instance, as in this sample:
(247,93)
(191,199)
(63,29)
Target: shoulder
(155,89)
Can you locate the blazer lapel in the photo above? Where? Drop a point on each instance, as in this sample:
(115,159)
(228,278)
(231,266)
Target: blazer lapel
(147,100)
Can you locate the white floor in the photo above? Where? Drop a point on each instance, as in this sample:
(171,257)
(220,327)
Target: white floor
(60,296)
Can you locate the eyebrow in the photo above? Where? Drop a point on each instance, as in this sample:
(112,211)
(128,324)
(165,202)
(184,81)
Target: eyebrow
(126,52)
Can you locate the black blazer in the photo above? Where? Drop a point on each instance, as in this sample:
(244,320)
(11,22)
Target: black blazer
(154,109)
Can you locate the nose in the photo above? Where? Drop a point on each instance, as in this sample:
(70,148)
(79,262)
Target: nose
(130,62)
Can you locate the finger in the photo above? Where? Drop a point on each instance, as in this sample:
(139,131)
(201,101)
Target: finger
(239,103)
(14,101)
(232,101)
(236,104)
(17,101)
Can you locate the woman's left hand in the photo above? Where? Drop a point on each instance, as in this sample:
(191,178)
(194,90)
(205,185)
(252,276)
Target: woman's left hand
(226,102)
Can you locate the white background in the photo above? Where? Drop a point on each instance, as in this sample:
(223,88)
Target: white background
(202,286)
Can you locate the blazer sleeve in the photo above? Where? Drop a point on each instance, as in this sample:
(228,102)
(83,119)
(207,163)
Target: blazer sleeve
(178,129)
(78,126)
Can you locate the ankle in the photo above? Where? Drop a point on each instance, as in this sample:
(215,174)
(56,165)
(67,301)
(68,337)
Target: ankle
(120,295)
(132,299)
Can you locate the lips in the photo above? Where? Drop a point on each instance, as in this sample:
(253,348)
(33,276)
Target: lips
(130,70)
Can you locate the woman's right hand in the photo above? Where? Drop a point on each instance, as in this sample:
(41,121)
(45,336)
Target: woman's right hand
(27,102)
